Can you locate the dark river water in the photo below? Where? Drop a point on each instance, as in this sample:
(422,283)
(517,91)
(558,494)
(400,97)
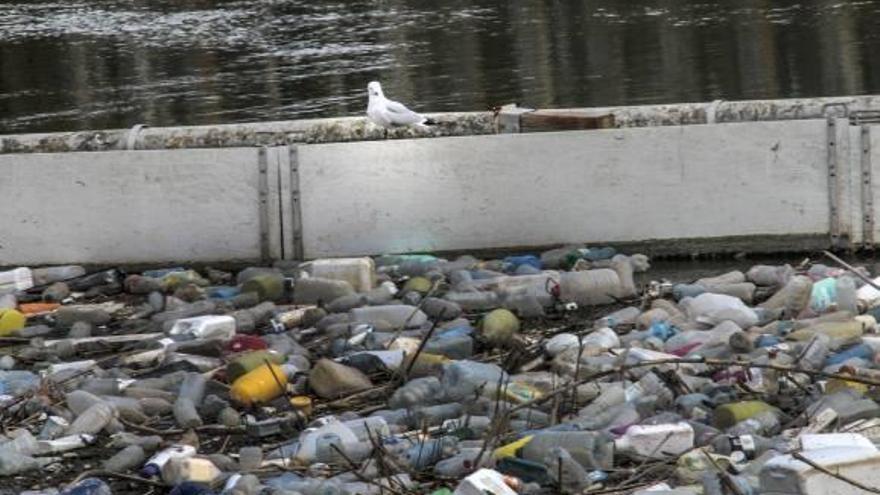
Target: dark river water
(81,64)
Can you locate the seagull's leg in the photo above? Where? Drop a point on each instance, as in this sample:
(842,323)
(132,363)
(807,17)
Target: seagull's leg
(386,132)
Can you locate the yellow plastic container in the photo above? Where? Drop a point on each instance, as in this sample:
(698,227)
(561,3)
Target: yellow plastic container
(259,385)
(11,321)
(727,415)
(250,361)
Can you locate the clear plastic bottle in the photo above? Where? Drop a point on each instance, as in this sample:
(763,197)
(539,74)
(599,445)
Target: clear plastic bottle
(190,396)
(204,327)
(125,459)
(93,419)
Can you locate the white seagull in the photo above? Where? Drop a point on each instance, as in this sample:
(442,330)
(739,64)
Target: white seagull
(388,113)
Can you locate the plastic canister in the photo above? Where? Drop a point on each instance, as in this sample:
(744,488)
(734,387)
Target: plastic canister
(727,415)
(259,385)
(786,475)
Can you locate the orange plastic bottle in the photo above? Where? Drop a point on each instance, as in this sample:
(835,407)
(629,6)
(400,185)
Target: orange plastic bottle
(259,385)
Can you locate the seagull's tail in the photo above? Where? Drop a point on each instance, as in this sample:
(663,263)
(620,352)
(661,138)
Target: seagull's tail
(429,121)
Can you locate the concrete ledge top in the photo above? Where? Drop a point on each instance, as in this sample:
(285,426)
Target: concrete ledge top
(345,129)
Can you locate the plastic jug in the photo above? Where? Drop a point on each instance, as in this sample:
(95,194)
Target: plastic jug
(259,385)
(462,379)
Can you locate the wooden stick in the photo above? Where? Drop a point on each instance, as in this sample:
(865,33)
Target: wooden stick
(851,269)
(841,477)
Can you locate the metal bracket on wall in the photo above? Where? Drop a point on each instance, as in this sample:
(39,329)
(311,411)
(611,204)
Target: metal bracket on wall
(296,204)
(833,186)
(263,198)
(867,189)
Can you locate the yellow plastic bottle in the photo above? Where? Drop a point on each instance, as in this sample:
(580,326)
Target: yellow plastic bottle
(259,385)
(11,321)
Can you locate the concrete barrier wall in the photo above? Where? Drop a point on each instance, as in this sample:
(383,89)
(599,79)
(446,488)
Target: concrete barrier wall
(141,206)
(759,186)
(621,185)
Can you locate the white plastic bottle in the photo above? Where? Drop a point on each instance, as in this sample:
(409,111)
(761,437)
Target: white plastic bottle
(204,327)
(16,280)
(656,441)
(154,466)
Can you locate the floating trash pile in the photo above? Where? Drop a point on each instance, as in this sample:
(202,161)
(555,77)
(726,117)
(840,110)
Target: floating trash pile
(540,373)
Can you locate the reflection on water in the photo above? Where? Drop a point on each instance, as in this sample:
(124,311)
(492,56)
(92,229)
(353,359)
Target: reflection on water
(82,64)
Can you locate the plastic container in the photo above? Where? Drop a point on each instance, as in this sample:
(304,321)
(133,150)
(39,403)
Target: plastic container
(154,465)
(16,280)
(11,321)
(727,415)
(204,327)
(785,475)
(359,272)
(656,441)
(307,451)
(712,309)
(195,469)
(590,287)
(482,482)
(250,361)
(565,472)
(267,286)
(88,486)
(259,385)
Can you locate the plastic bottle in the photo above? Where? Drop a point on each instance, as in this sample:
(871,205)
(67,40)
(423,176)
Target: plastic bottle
(474,300)
(419,391)
(565,472)
(93,419)
(259,385)
(190,396)
(18,279)
(860,351)
(436,415)
(154,465)
(621,317)
(846,295)
(310,290)
(656,441)
(88,486)
(395,316)
(125,459)
(307,450)
(462,379)
(204,327)
(593,450)
(793,297)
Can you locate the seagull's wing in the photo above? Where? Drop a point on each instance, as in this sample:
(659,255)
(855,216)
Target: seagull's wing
(400,115)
